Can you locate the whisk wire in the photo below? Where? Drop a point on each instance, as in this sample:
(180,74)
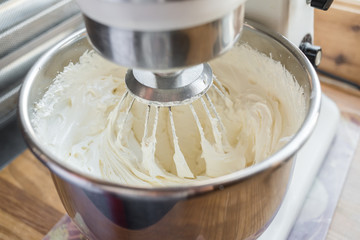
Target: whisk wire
(146,123)
(215,112)
(148,146)
(197,120)
(214,122)
(181,165)
(122,124)
(219,88)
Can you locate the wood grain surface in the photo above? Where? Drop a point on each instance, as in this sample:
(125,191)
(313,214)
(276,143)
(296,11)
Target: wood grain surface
(337,31)
(30,207)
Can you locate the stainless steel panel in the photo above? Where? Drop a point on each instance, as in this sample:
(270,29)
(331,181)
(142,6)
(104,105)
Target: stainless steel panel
(28,29)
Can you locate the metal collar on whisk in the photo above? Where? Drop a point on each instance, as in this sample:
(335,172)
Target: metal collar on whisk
(169,89)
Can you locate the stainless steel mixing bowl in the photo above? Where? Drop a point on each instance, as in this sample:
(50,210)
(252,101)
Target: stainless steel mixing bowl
(236,206)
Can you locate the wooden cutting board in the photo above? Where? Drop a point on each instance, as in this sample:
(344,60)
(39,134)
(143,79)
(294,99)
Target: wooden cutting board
(337,31)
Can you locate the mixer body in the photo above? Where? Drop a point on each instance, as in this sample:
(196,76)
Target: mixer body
(293,19)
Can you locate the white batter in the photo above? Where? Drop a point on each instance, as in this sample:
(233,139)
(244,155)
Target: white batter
(82,119)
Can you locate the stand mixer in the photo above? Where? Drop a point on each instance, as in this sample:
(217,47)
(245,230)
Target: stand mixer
(167,44)
(167,52)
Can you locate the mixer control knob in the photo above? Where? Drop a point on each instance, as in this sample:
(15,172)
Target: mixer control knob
(312,52)
(321,4)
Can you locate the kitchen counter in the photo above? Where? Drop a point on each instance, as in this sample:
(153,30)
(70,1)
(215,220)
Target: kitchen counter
(30,207)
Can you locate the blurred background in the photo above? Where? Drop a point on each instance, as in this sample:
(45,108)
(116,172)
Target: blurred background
(27,30)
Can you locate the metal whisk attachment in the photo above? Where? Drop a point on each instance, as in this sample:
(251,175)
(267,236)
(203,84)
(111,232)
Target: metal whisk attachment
(172,90)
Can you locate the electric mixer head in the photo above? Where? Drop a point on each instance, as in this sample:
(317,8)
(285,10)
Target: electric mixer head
(165,43)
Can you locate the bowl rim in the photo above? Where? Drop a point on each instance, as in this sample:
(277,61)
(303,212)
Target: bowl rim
(177,191)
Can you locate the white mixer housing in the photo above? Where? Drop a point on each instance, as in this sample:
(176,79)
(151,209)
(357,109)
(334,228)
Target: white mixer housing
(292,18)
(156,15)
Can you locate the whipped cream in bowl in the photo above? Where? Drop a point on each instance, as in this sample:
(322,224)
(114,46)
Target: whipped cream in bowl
(80,120)
(208,179)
